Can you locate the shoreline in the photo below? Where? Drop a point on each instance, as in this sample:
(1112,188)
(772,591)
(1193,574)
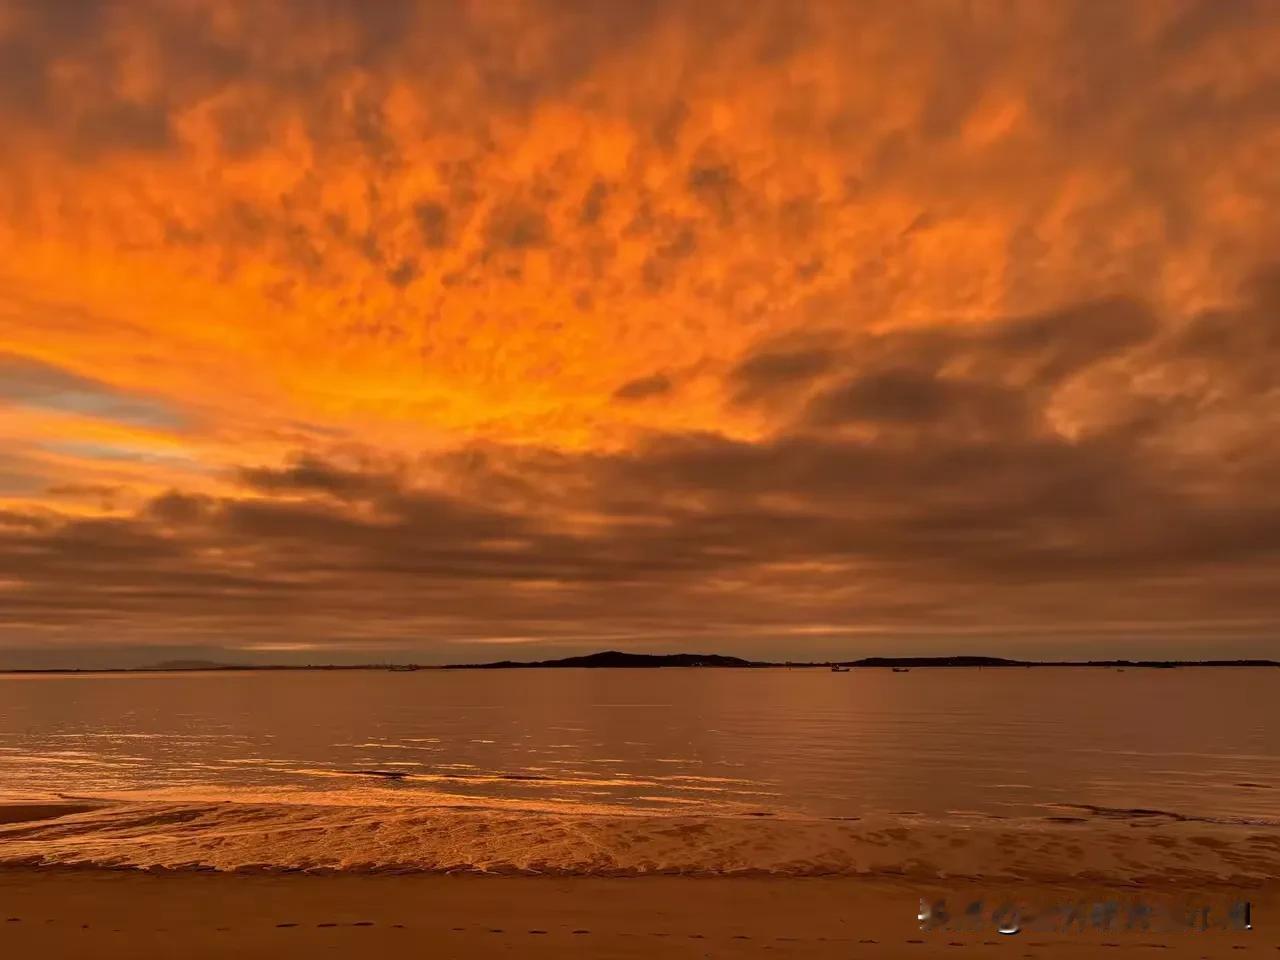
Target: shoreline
(145,879)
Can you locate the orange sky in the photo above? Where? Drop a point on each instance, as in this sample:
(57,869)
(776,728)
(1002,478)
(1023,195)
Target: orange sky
(341,330)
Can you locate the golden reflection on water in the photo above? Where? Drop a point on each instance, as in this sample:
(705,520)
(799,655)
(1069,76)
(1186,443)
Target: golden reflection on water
(777,742)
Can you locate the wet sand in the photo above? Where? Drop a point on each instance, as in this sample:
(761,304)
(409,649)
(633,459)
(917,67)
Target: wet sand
(118,914)
(24,812)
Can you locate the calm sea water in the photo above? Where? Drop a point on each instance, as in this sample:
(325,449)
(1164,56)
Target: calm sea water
(1199,742)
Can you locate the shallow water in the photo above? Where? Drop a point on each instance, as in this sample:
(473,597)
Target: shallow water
(1202,743)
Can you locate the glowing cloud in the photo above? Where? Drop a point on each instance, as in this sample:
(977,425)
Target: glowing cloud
(405,323)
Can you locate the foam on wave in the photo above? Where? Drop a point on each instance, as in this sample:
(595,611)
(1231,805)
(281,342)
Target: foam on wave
(228,836)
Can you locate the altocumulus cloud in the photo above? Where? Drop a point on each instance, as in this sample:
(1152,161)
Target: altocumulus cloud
(402,322)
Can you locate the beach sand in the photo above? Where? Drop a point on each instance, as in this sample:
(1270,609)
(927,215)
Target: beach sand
(107,915)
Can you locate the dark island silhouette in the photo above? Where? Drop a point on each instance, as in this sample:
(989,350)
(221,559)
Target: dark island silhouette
(617,659)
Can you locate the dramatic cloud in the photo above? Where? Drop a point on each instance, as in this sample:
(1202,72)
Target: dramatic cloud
(795,329)
(642,387)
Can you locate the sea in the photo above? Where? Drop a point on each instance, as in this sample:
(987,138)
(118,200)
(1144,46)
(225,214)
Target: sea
(1201,744)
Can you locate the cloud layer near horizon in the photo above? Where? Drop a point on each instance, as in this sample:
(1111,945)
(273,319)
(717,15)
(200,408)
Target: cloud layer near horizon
(777,327)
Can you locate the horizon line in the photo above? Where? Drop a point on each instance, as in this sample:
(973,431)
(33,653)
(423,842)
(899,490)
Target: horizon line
(614,659)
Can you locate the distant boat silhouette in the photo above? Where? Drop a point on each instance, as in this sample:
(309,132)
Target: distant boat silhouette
(901,669)
(838,669)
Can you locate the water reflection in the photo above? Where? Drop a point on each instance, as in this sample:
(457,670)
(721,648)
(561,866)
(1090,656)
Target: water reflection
(782,742)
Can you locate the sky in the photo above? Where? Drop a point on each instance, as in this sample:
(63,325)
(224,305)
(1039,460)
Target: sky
(335,331)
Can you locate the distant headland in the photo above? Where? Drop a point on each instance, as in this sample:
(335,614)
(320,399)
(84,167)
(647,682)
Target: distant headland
(616,659)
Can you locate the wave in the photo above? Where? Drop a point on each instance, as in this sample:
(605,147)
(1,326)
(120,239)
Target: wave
(1146,815)
(228,836)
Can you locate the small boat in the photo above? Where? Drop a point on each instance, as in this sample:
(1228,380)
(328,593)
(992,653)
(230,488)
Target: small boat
(838,669)
(901,669)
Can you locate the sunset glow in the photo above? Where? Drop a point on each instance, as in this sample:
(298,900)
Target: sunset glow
(453,331)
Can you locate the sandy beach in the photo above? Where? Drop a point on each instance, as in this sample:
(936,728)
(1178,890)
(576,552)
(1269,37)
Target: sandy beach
(114,914)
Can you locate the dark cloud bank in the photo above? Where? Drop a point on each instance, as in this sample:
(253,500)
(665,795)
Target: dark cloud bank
(1068,483)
